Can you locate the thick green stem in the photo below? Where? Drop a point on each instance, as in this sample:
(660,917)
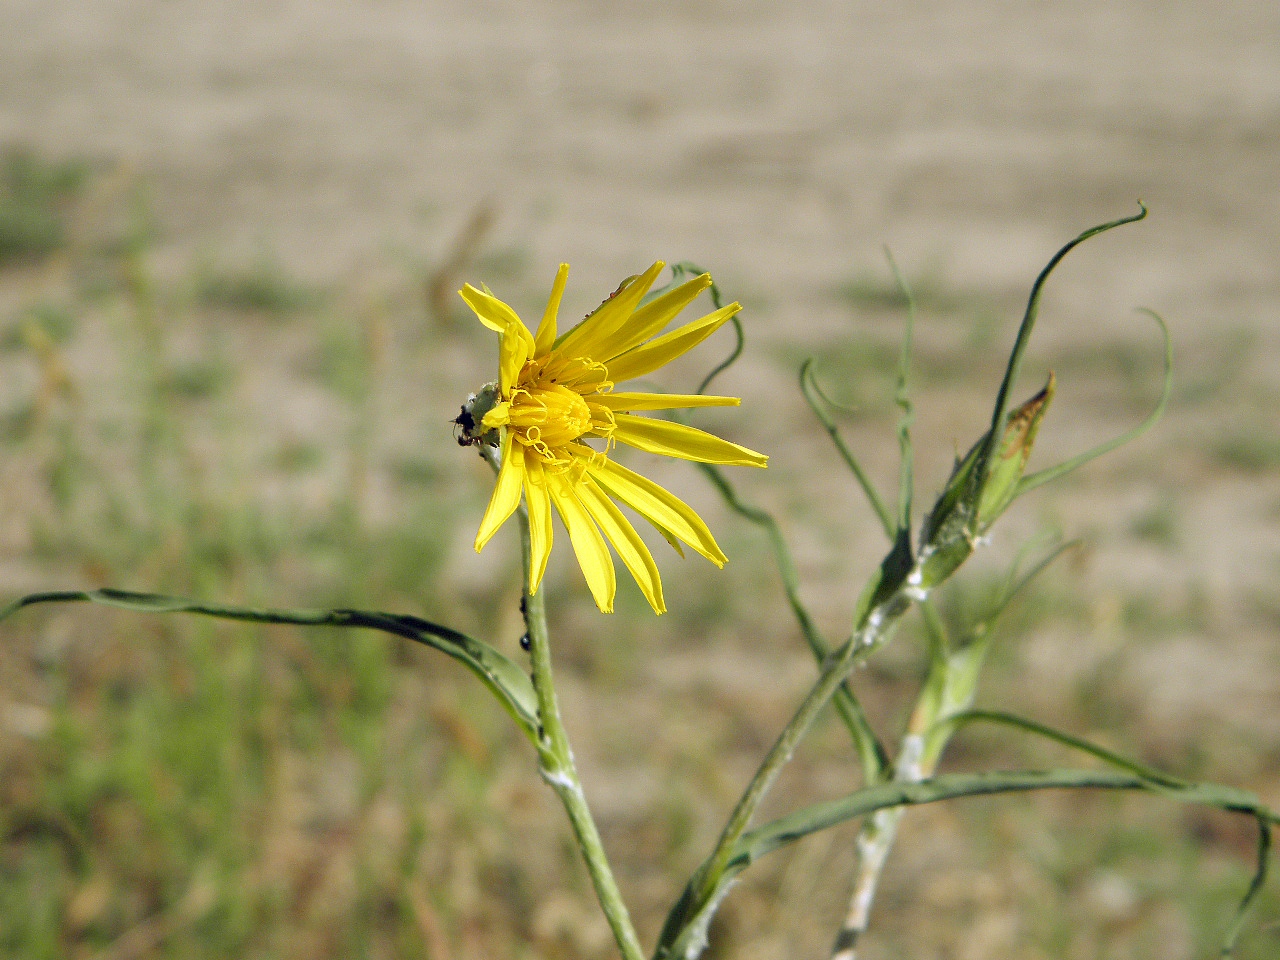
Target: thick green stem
(555,763)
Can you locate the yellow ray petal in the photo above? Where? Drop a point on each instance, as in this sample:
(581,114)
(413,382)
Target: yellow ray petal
(538,500)
(546,335)
(687,443)
(515,346)
(588,544)
(660,401)
(582,339)
(650,319)
(619,532)
(656,353)
(506,492)
(498,416)
(513,351)
(493,313)
(674,518)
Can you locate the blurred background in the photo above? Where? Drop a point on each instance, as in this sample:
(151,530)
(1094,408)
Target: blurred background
(230,347)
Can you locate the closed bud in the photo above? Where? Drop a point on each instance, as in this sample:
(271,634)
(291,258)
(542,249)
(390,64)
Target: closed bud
(975,497)
(1009,460)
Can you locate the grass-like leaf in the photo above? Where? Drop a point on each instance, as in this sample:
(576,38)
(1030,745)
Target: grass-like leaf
(686,925)
(1033,480)
(1024,337)
(818,402)
(495,670)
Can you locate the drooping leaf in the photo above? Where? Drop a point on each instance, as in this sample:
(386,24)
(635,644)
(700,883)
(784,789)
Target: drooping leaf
(495,670)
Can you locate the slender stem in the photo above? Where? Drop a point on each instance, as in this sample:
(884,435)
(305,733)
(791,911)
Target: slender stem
(875,840)
(948,689)
(834,671)
(555,764)
(871,753)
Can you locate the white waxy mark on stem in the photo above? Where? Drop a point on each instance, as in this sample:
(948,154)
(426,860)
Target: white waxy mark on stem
(909,757)
(915,589)
(560,780)
(697,935)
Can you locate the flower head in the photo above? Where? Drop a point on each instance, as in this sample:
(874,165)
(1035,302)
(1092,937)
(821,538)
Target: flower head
(554,394)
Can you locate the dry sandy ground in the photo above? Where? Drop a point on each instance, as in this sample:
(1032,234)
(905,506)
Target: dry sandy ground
(780,145)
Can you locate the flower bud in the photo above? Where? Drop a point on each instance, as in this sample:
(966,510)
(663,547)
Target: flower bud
(1009,462)
(978,493)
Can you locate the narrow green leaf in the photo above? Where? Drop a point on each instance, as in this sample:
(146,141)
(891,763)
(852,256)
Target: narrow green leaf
(495,670)
(1255,887)
(1031,481)
(1001,718)
(950,786)
(814,396)
(871,753)
(996,430)
(902,396)
(772,836)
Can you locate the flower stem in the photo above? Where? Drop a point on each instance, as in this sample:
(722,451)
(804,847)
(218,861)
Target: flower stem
(555,764)
(684,935)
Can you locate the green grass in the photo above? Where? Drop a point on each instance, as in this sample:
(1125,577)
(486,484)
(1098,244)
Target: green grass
(1248,452)
(212,790)
(262,286)
(1158,524)
(930,291)
(35,195)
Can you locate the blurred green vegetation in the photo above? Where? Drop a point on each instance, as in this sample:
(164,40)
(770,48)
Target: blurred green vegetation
(35,195)
(172,787)
(262,286)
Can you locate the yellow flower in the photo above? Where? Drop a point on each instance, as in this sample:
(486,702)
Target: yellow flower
(554,394)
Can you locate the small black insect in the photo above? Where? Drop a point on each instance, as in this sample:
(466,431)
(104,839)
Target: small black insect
(464,425)
(525,644)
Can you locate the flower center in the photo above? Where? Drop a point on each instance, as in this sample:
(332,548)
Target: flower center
(548,416)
